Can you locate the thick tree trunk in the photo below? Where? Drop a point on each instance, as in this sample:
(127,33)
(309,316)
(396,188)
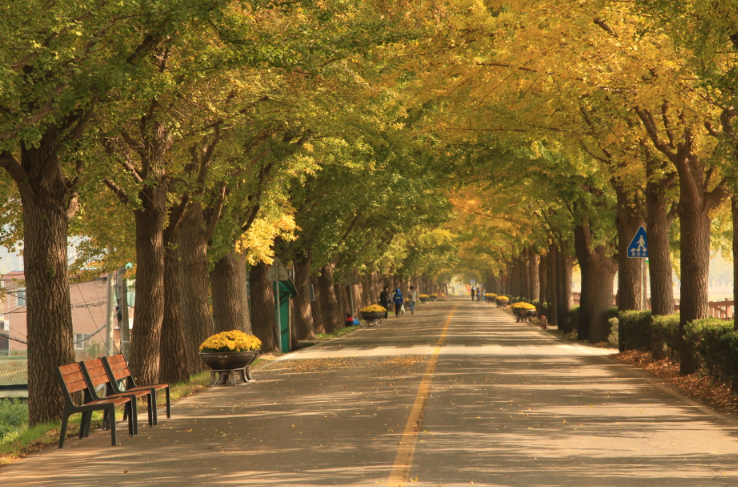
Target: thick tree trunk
(328,301)
(525,269)
(173,359)
(734,207)
(533,284)
(263,308)
(194,284)
(627,221)
(695,257)
(49,320)
(543,279)
(342,300)
(228,283)
(565,297)
(303,318)
(659,257)
(602,271)
(581,242)
(146,336)
(315,308)
(553,285)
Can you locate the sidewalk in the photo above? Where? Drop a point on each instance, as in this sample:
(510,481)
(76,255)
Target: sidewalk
(507,404)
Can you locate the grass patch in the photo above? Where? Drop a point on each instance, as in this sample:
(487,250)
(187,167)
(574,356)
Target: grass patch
(324,337)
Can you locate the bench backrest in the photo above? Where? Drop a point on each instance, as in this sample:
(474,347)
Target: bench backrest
(72,378)
(96,372)
(118,366)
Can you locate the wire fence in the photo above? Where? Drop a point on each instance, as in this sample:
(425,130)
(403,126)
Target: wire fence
(13,370)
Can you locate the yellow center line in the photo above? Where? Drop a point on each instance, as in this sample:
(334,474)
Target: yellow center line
(404,458)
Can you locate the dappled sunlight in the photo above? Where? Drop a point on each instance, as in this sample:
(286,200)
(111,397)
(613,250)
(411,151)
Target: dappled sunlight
(508,405)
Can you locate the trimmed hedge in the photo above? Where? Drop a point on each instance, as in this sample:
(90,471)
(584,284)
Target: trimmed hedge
(573,318)
(716,344)
(712,343)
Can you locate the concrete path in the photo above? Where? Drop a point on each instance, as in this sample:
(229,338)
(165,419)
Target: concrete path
(459,394)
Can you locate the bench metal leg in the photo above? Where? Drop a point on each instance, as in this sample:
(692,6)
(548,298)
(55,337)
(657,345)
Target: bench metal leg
(169,405)
(113,435)
(63,432)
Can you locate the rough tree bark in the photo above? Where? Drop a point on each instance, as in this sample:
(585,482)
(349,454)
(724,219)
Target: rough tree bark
(601,276)
(315,307)
(734,208)
(659,258)
(628,219)
(48,201)
(533,286)
(263,311)
(553,284)
(146,335)
(303,318)
(525,270)
(228,284)
(328,301)
(194,284)
(543,279)
(173,358)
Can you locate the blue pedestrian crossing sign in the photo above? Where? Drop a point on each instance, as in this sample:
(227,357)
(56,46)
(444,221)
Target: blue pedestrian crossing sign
(638,247)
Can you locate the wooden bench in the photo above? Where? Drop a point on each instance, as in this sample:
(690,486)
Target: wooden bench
(117,370)
(96,375)
(71,380)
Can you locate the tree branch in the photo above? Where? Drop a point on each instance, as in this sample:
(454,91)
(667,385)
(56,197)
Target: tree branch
(117,191)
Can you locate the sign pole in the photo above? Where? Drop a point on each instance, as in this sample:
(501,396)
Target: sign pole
(279,318)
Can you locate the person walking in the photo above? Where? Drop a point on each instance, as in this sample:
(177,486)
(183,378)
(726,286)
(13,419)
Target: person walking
(473,290)
(385,300)
(398,300)
(412,297)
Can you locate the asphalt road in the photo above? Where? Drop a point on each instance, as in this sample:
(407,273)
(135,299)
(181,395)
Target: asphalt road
(458,394)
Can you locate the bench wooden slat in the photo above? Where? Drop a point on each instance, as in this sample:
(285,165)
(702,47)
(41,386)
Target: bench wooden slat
(76,386)
(68,369)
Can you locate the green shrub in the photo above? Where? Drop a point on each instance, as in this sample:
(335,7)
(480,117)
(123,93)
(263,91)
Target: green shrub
(614,337)
(13,417)
(634,330)
(535,303)
(716,346)
(665,338)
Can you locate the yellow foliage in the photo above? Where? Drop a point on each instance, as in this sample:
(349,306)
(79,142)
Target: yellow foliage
(522,305)
(230,341)
(374,308)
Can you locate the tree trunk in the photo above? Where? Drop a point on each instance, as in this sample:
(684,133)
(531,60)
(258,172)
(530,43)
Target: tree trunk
(315,307)
(695,258)
(581,248)
(173,357)
(146,339)
(228,283)
(565,297)
(303,318)
(50,334)
(525,269)
(328,301)
(194,283)
(602,271)
(734,208)
(533,284)
(627,221)
(659,257)
(543,279)
(263,308)
(553,285)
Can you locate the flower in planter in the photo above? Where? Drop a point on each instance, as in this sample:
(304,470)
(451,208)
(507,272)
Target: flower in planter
(522,305)
(490,296)
(374,308)
(423,296)
(434,295)
(230,341)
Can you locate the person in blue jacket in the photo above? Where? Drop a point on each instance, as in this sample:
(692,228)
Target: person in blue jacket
(398,300)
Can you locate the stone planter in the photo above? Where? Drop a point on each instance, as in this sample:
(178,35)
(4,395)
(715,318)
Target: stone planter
(502,303)
(424,300)
(373,316)
(228,365)
(524,314)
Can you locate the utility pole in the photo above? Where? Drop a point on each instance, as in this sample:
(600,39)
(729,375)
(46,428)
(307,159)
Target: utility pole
(110,316)
(125,336)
